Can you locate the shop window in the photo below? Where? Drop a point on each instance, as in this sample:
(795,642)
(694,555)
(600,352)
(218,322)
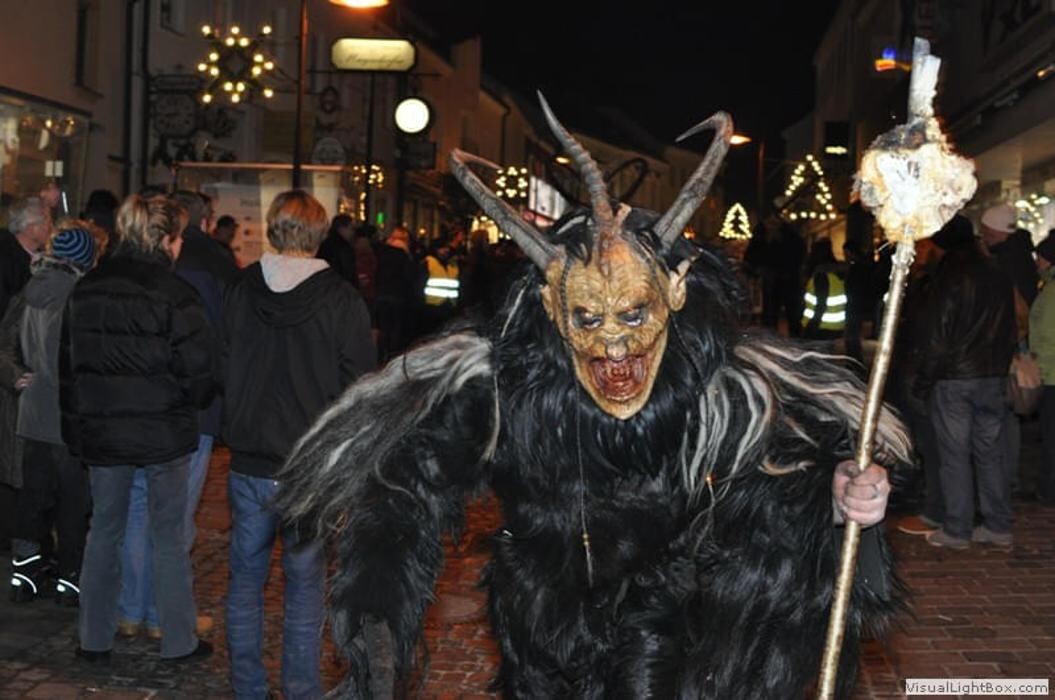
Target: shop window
(39,142)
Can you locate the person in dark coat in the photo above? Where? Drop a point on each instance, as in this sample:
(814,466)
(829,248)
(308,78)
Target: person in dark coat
(398,294)
(297,334)
(28,228)
(137,361)
(336,249)
(1011,248)
(963,366)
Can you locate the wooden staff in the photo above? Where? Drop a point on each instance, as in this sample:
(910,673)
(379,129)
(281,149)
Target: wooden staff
(912,200)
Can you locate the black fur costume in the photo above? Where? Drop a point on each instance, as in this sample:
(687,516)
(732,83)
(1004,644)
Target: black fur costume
(709,512)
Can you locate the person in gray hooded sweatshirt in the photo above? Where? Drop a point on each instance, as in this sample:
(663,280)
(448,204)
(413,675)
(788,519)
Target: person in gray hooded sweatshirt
(52,478)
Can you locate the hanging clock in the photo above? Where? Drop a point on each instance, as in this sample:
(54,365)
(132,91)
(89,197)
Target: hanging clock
(175,114)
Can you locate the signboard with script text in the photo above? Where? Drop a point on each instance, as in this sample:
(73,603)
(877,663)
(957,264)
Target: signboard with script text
(390,55)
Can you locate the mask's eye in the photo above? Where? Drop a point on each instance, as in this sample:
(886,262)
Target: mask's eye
(634,317)
(584,319)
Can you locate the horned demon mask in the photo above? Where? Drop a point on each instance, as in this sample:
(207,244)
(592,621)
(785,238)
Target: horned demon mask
(612,309)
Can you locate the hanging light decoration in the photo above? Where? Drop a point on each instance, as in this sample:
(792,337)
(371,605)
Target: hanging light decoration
(822,208)
(1031,212)
(376,178)
(736,227)
(236,65)
(512,183)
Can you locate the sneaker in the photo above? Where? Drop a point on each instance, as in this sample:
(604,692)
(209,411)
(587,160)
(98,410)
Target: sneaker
(67,591)
(917,525)
(939,538)
(153,633)
(202,651)
(93,657)
(984,535)
(27,578)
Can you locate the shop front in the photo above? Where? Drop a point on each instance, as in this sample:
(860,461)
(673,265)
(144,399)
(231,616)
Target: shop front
(42,141)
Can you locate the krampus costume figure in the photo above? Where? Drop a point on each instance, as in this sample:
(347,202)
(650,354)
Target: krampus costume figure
(665,477)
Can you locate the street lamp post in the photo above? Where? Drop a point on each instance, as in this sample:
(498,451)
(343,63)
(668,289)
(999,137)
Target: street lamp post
(302,68)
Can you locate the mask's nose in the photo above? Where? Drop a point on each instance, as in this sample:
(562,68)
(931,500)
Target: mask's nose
(615,350)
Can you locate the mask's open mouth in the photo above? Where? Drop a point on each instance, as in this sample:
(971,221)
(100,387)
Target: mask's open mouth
(620,380)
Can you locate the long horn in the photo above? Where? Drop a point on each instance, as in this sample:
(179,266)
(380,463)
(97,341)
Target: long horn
(588,168)
(670,226)
(534,244)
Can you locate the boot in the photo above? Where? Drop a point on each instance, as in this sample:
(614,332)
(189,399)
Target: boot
(27,577)
(68,591)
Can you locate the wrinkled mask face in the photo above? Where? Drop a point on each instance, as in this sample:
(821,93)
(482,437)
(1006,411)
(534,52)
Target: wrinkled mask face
(614,315)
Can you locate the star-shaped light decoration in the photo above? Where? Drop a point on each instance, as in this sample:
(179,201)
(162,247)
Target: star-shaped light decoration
(236,64)
(512,183)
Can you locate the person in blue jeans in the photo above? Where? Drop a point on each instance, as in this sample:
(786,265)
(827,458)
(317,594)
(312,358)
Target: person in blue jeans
(203,263)
(296,334)
(137,360)
(136,606)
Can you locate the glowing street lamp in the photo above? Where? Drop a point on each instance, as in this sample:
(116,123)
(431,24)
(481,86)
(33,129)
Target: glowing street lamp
(413,115)
(302,66)
(360,4)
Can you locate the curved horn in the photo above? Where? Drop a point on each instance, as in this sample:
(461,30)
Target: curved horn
(670,226)
(539,250)
(588,168)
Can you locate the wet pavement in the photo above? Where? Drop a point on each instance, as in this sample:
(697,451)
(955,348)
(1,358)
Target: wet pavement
(982,612)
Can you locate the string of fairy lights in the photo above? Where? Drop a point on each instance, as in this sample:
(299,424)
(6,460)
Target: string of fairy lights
(822,196)
(1030,214)
(237,65)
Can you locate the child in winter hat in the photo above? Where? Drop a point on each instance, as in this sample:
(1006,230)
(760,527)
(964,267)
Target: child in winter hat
(75,245)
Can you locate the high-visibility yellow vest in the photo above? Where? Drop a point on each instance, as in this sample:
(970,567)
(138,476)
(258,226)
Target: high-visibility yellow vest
(441,287)
(834,316)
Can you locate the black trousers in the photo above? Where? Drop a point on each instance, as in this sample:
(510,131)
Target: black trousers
(55,491)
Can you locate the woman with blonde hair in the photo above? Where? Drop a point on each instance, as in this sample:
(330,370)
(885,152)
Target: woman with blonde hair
(137,361)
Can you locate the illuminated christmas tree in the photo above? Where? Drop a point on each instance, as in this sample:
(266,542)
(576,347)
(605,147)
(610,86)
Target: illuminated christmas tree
(807,195)
(736,226)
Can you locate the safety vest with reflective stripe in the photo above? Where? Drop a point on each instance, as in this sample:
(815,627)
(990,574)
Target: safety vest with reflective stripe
(441,287)
(833,317)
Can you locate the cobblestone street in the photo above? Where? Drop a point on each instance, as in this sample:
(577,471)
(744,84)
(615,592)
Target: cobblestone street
(983,612)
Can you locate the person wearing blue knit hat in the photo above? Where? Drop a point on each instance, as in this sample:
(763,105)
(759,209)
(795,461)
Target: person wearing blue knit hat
(75,245)
(53,480)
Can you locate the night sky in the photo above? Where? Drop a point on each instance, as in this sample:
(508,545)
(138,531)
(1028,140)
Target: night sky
(667,64)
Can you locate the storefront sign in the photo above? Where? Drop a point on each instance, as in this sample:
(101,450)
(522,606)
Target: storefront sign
(390,55)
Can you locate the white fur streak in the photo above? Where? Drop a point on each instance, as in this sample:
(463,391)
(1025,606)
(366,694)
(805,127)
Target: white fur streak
(764,380)
(358,433)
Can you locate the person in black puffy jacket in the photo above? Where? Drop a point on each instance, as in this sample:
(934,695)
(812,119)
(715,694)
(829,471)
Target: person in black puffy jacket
(137,361)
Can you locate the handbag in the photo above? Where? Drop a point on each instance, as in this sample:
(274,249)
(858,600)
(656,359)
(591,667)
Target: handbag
(1024,385)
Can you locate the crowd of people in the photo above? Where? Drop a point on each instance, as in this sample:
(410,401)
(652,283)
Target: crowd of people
(132,341)
(975,302)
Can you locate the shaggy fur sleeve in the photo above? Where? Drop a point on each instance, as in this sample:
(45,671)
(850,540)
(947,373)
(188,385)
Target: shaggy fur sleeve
(766,550)
(382,474)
